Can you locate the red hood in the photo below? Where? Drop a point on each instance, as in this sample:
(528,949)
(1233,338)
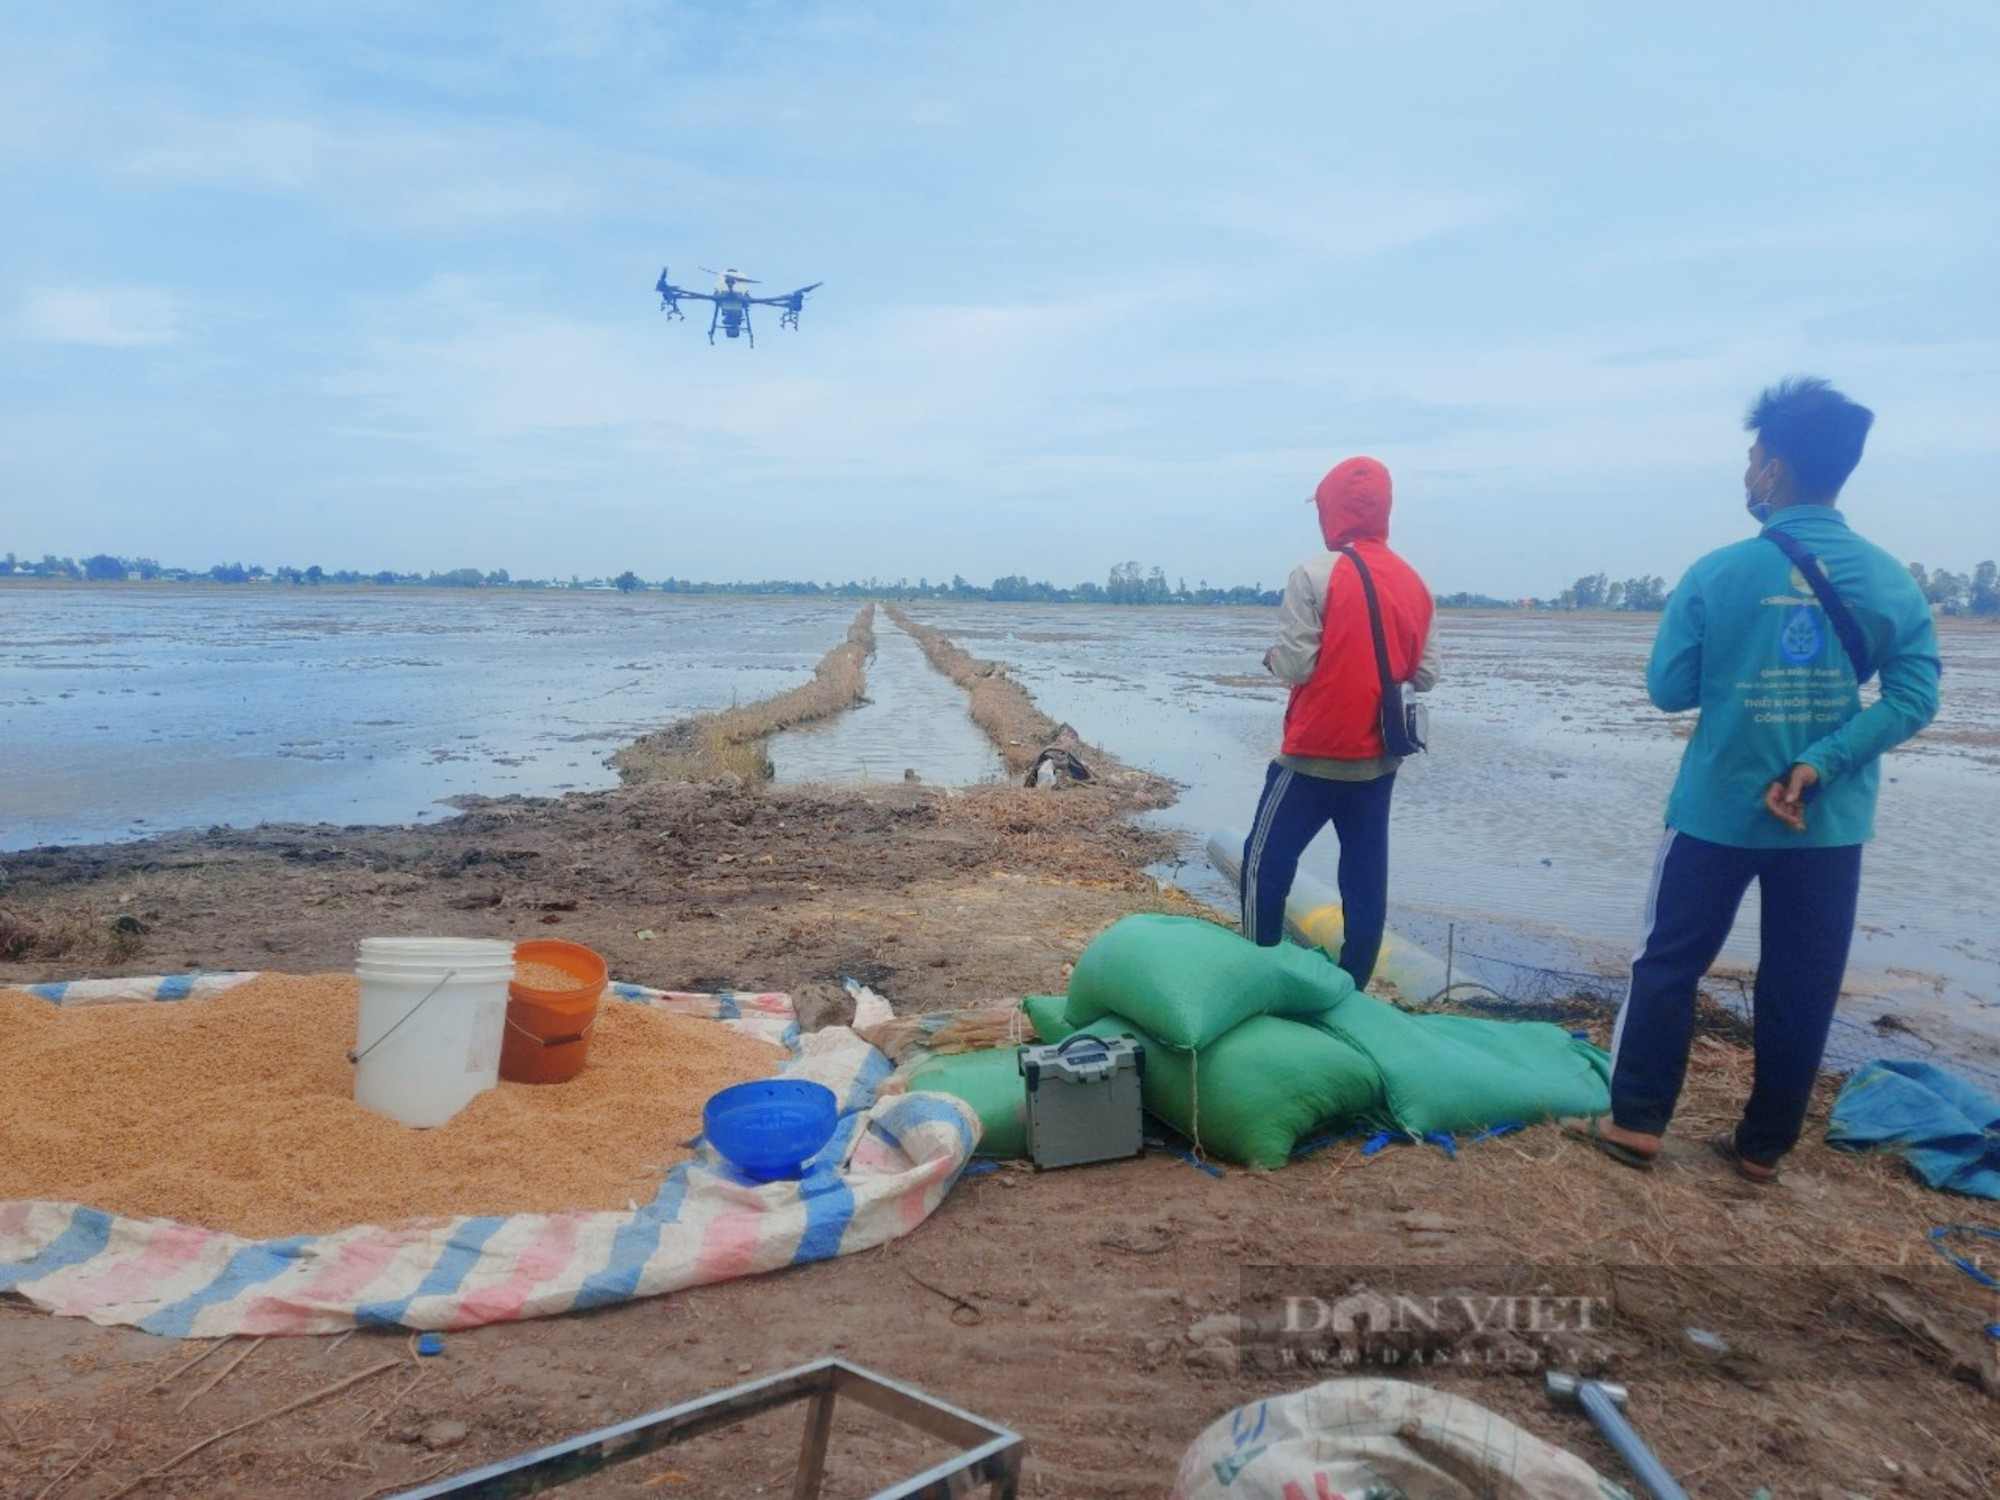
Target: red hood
(1353,503)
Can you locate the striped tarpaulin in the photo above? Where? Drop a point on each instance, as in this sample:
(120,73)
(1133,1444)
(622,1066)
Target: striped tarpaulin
(889,1165)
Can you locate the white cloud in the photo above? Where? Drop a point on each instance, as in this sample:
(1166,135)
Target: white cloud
(183,150)
(391,172)
(467,363)
(413,244)
(1891,228)
(108,317)
(1348,224)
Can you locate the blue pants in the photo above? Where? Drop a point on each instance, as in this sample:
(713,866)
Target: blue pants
(1808,900)
(1292,810)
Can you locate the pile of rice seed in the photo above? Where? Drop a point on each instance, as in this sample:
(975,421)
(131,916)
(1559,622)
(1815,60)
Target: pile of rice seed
(236,1112)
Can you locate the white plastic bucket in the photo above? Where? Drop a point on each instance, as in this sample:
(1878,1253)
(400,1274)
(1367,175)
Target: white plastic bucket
(432,1017)
(423,949)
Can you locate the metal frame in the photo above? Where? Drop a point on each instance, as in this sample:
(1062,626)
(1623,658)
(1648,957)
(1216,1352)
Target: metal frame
(990,1455)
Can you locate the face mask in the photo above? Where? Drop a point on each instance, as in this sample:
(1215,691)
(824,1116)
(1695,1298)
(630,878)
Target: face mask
(1759,506)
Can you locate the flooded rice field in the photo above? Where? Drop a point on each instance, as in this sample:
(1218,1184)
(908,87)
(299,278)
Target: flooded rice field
(1526,836)
(913,727)
(1524,839)
(129,711)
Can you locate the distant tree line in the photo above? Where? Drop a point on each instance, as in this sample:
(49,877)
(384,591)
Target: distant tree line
(1596,591)
(1593,591)
(1128,583)
(1958,594)
(1976,593)
(105,568)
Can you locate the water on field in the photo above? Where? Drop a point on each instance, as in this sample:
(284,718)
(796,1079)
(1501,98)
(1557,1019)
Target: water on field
(913,727)
(1526,836)
(130,711)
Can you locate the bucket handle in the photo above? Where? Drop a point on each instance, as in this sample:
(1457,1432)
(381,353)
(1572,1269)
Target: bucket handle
(355,1057)
(551,1041)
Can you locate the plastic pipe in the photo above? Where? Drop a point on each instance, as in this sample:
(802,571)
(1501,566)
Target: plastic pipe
(1601,1409)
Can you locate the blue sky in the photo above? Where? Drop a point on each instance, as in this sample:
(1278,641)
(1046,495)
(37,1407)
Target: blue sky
(369,285)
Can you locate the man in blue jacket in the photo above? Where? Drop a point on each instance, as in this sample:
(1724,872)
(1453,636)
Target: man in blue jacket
(1777,784)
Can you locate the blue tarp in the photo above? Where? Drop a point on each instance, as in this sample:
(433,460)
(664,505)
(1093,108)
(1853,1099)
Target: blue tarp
(1941,1125)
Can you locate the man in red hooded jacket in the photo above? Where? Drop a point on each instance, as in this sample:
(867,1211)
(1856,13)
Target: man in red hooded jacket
(1334,767)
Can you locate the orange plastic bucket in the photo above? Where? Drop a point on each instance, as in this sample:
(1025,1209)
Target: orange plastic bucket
(548,1027)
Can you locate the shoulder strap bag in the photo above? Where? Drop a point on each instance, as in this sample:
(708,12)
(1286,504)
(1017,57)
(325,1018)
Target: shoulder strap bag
(1844,624)
(1405,725)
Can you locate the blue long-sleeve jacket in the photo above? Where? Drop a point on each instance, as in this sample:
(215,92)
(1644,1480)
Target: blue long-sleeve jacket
(1745,641)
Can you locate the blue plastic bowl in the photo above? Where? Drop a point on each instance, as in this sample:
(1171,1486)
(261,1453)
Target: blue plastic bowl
(772,1128)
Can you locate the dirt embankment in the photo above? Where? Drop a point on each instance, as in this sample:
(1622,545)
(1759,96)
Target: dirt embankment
(934,896)
(733,740)
(1090,1309)
(1018,727)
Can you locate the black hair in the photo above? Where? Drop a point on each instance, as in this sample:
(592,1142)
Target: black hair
(1817,432)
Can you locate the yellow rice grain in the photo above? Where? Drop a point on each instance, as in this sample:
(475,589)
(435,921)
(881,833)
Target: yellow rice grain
(546,977)
(236,1112)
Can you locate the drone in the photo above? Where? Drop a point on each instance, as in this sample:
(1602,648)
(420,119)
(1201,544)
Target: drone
(732,302)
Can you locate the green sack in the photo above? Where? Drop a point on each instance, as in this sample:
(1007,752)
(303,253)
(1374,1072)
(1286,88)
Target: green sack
(1253,1093)
(1452,1073)
(1046,1015)
(1185,982)
(989,1081)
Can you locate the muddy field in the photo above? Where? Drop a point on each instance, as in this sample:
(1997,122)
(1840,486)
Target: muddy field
(1093,1310)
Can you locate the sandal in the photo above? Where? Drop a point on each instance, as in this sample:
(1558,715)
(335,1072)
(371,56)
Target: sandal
(1590,1130)
(1750,1171)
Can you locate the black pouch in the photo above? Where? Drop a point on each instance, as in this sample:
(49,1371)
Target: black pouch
(1405,722)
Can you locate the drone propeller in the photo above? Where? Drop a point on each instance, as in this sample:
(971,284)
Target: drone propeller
(789,299)
(732,275)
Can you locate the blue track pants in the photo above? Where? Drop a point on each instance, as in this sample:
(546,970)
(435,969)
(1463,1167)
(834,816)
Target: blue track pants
(1808,898)
(1293,809)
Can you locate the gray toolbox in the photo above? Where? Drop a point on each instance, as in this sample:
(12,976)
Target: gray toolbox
(1083,1099)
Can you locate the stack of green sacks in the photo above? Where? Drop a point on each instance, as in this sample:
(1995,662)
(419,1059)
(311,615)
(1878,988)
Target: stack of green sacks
(1249,1049)
(1236,1058)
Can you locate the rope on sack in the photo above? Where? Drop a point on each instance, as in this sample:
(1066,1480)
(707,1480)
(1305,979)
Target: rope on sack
(1197,1157)
(1194,1098)
(355,1057)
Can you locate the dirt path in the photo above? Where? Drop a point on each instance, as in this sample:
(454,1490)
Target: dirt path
(1065,1304)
